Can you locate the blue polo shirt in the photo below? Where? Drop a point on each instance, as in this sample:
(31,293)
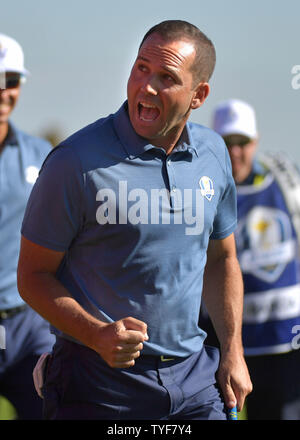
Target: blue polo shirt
(135,224)
(20,161)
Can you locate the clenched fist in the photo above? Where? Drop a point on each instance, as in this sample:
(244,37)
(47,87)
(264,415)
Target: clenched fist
(121,342)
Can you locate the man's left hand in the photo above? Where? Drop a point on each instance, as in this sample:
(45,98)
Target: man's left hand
(233,378)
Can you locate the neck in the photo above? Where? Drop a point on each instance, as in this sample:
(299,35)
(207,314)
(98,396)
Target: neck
(241,178)
(3,133)
(168,143)
(167,146)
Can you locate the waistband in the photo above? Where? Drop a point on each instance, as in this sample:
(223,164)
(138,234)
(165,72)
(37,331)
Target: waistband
(162,360)
(62,342)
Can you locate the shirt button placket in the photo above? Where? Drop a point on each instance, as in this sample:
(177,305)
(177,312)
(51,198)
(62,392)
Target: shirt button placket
(172,182)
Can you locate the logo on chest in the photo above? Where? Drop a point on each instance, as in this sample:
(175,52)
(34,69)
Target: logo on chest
(207,188)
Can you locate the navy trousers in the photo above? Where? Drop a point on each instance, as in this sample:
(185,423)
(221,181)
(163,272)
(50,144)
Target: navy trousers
(80,385)
(27,336)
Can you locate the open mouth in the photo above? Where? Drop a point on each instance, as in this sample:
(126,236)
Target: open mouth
(148,112)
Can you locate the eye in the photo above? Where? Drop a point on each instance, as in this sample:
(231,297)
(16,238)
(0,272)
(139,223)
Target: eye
(142,68)
(168,78)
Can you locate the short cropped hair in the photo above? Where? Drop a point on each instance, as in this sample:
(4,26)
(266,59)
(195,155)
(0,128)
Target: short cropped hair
(205,59)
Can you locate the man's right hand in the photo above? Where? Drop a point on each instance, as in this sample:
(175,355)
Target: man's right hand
(120,342)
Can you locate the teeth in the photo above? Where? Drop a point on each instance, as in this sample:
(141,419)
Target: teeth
(148,112)
(147,105)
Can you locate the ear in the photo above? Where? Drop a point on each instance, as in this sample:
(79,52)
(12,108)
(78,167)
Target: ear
(200,95)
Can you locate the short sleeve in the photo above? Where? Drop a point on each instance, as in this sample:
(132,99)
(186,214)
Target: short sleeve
(226,217)
(54,212)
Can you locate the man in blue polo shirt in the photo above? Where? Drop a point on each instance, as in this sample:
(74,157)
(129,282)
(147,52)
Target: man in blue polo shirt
(24,335)
(114,250)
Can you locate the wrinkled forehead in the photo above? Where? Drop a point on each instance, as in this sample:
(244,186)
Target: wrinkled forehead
(173,53)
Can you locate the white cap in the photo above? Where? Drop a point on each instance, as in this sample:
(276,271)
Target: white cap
(11,56)
(235,117)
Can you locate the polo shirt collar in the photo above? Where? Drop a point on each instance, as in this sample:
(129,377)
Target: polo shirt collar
(12,137)
(185,142)
(136,145)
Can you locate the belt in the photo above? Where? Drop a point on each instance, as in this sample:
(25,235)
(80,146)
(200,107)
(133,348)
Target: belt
(9,313)
(160,358)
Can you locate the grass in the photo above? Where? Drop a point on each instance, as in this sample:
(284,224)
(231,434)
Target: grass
(7,411)
(243,414)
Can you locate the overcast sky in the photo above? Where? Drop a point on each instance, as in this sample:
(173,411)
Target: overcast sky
(80,54)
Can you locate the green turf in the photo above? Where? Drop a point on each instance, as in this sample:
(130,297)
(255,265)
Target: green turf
(243,414)
(7,411)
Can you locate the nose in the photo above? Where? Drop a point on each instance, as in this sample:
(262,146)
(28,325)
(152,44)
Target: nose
(149,87)
(4,92)
(235,149)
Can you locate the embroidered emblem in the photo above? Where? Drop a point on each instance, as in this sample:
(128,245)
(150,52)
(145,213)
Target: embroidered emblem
(265,243)
(207,187)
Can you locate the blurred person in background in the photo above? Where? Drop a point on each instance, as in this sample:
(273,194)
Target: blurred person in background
(268,196)
(26,335)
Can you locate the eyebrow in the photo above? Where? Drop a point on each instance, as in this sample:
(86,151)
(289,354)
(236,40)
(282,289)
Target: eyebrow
(172,72)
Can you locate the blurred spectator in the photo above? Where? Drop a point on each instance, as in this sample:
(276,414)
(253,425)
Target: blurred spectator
(27,335)
(268,194)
